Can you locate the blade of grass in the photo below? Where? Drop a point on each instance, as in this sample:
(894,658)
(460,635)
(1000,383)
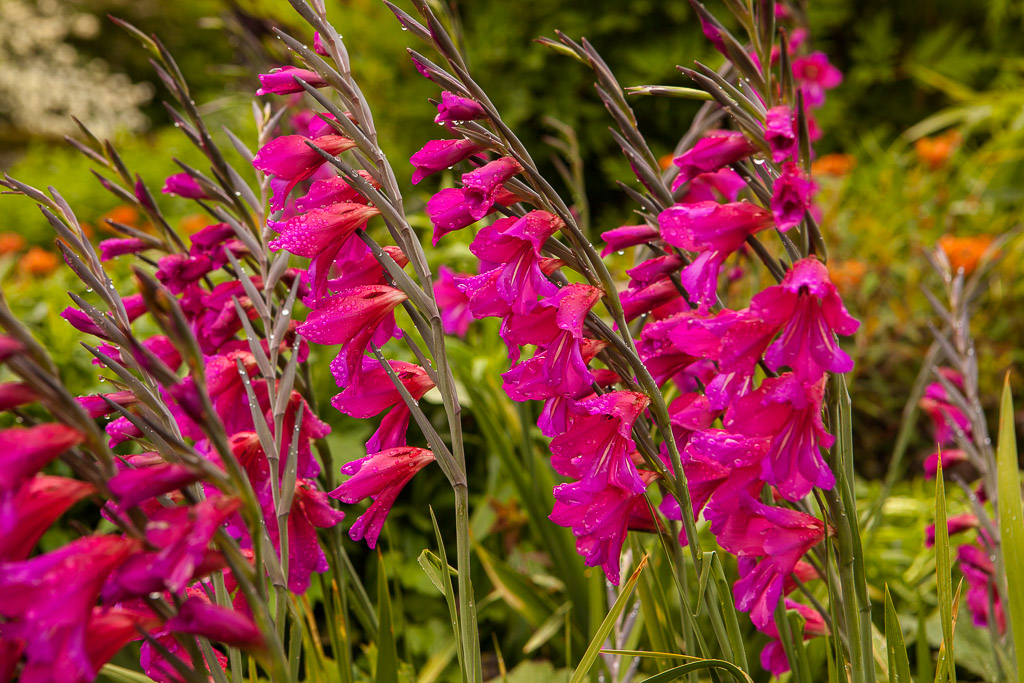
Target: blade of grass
(899,665)
(387,653)
(943,578)
(1011,521)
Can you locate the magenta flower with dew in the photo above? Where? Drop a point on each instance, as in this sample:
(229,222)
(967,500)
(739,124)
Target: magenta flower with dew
(119,246)
(717,149)
(956,524)
(282,81)
(555,326)
(946,417)
(663,359)
(375,393)
(724,182)
(456,109)
(808,308)
(773,656)
(554,417)
(788,410)
(310,511)
(358,266)
(600,520)
(14,394)
(660,297)
(715,231)
(134,306)
(132,486)
(351,319)
(449,209)
(455,314)
(26,450)
(323,193)
(814,76)
(438,155)
(381,477)
(47,602)
(515,279)
(791,196)
(184,185)
(978,569)
(950,457)
(222,624)
(290,158)
(780,133)
(596,448)
(178,271)
(481,186)
(182,535)
(627,236)
(36,505)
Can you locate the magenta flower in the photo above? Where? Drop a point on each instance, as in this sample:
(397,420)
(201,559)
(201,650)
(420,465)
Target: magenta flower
(454,305)
(773,656)
(202,618)
(456,109)
(182,536)
(48,599)
(14,394)
(950,457)
(438,155)
(791,196)
(114,247)
(661,298)
(954,525)
(323,193)
(282,81)
(184,185)
(977,567)
(132,486)
(789,411)
(717,149)
(178,271)
(310,511)
(515,279)
(715,231)
(291,159)
(381,477)
(808,308)
(449,210)
(596,448)
(946,417)
(26,450)
(481,186)
(725,182)
(375,393)
(815,75)
(780,133)
(351,319)
(37,504)
(627,236)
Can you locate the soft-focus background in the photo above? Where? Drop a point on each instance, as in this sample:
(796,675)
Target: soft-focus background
(923,147)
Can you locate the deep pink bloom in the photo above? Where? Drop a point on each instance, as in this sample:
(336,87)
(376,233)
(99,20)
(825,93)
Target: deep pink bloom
(119,246)
(290,158)
(358,266)
(791,196)
(332,191)
(37,504)
(626,236)
(780,133)
(282,81)
(662,357)
(717,149)
(351,319)
(134,306)
(380,476)
(950,457)
(481,186)
(9,347)
(808,307)
(375,393)
(555,325)
(132,486)
(599,520)
(773,656)
(14,394)
(454,305)
(26,450)
(310,511)
(789,411)
(438,155)
(660,297)
(48,600)
(510,252)
(182,536)
(184,185)
(954,525)
(177,271)
(725,182)
(449,210)
(596,448)
(947,419)
(456,109)
(715,231)
(977,567)
(222,624)
(815,75)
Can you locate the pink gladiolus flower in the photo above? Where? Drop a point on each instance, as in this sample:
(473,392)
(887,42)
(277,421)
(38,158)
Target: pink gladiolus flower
(810,311)
(791,196)
(950,457)
(716,231)
(282,81)
(725,182)
(323,193)
(481,186)
(454,305)
(449,209)
(37,505)
(112,248)
(14,394)
(48,600)
(773,656)
(381,477)
(178,271)
(184,185)
(310,511)
(946,417)
(133,486)
(9,347)
(26,450)
(351,319)
(815,75)
(599,520)
(717,149)
(627,236)
(134,306)
(597,446)
(780,133)
(979,570)
(637,301)
(789,411)
(954,525)
(290,158)
(375,393)
(456,109)
(183,534)
(438,155)
(201,618)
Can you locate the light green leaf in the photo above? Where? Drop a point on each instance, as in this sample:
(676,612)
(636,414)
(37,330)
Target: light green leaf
(899,664)
(1011,521)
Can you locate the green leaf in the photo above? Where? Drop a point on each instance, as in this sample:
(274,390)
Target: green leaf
(943,577)
(387,653)
(899,664)
(516,590)
(594,649)
(680,671)
(548,629)
(1011,521)
(122,675)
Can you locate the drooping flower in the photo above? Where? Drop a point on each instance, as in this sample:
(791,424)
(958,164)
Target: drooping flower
(455,314)
(327,191)
(290,158)
(381,477)
(438,155)
(456,109)
(282,81)
(222,624)
(37,504)
(717,149)
(310,511)
(725,182)
(184,185)
(112,248)
(815,75)
(791,196)
(449,210)
(780,133)
(132,486)
(482,185)
(627,236)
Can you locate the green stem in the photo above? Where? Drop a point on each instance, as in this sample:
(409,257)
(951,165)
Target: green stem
(467,604)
